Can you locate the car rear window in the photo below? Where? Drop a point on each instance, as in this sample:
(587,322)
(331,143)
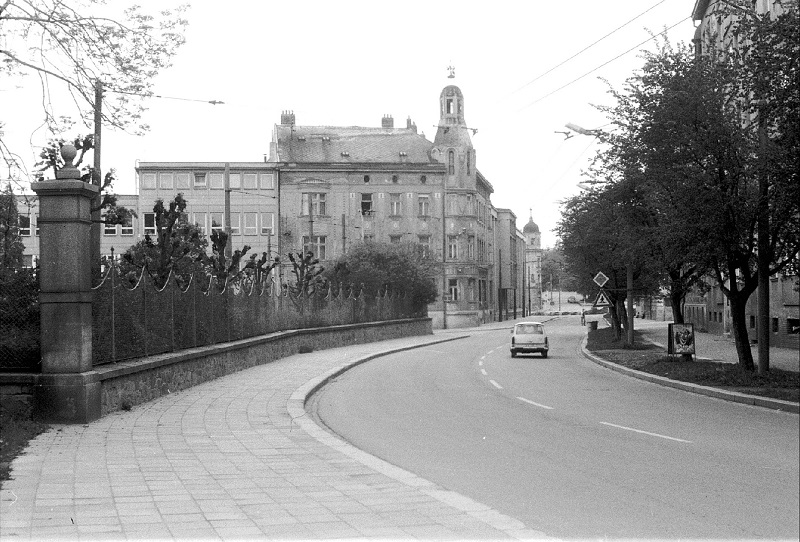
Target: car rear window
(531,329)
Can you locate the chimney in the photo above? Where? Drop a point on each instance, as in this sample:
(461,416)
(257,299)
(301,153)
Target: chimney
(387,122)
(411,125)
(287,117)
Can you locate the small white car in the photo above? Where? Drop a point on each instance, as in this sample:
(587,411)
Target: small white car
(529,338)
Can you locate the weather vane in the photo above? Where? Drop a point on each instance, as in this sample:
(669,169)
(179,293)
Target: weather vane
(452,71)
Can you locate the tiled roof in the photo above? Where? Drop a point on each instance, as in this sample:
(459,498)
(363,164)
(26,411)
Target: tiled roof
(351,144)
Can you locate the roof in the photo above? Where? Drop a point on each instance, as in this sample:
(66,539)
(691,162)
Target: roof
(530,227)
(351,144)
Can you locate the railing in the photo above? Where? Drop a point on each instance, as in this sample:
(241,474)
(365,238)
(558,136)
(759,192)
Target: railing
(141,319)
(19,321)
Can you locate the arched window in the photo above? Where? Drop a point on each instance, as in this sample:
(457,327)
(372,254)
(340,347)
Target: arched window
(451,162)
(469,157)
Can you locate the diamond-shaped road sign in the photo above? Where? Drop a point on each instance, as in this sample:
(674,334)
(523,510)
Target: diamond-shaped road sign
(600,279)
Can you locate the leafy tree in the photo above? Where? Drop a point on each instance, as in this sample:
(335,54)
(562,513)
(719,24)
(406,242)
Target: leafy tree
(178,245)
(388,266)
(66,44)
(11,247)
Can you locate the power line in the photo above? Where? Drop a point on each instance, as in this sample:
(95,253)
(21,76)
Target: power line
(586,48)
(212,102)
(602,65)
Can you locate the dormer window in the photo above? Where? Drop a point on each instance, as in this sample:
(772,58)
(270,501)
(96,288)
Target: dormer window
(345,153)
(326,138)
(301,138)
(394,178)
(403,154)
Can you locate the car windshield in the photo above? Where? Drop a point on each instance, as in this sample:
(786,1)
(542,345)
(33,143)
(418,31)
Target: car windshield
(531,329)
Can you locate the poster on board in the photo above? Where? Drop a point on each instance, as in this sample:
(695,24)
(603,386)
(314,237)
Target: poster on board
(681,339)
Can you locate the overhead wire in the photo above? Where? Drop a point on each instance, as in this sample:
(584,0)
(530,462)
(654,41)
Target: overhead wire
(586,48)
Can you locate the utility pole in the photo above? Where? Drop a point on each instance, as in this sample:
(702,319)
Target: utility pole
(227,213)
(763,261)
(629,304)
(97,180)
(344,235)
(444,254)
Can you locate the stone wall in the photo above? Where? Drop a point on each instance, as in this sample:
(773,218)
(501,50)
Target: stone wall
(129,383)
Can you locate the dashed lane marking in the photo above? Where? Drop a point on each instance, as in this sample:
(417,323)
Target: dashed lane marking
(496,385)
(483,372)
(646,432)
(534,404)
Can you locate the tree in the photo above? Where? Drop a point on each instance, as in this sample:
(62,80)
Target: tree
(178,246)
(11,247)
(388,266)
(67,44)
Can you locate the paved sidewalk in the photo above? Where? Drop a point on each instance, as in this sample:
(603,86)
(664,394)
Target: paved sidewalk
(233,458)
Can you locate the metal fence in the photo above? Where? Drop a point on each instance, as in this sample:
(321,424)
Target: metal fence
(138,319)
(19,321)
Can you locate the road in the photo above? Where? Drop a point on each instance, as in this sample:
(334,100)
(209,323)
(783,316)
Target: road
(570,448)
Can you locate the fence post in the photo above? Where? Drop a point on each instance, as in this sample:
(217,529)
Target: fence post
(67,391)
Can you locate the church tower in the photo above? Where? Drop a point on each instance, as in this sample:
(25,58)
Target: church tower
(452,144)
(533,265)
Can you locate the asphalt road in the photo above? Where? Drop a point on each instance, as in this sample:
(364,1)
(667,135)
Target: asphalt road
(570,448)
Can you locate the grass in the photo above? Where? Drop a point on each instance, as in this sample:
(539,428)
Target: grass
(15,433)
(648,358)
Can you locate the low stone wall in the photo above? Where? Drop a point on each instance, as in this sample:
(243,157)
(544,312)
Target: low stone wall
(16,393)
(125,384)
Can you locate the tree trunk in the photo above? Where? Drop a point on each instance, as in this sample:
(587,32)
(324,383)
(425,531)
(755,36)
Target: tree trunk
(739,329)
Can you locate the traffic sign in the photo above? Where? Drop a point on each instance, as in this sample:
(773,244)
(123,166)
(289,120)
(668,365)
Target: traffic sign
(602,300)
(600,279)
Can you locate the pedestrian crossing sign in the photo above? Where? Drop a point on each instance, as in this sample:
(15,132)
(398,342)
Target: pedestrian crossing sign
(602,300)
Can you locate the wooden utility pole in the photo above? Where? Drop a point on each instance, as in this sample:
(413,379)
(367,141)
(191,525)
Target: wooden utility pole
(97,180)
(763,261)
(227,212)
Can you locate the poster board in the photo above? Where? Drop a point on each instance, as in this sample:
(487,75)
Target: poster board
(681,339)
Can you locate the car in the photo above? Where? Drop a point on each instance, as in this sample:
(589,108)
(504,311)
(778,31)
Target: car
(529,338)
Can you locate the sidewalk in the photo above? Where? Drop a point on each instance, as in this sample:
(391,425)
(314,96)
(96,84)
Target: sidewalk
(709,347)
(233,458)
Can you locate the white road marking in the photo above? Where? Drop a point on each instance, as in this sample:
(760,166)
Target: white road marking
(496,385)
(534,404)
(646,432)
(483,372)
(480,363)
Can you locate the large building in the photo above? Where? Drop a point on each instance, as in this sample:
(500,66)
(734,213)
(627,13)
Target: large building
(324,188)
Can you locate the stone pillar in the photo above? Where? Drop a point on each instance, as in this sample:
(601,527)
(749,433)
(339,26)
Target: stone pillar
(68,390)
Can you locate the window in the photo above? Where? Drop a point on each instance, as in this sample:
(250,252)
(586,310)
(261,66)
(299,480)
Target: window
(267,180)
(452,204)
(424,205)
(147,181)
(450,109)
(423,179)
(452,287)
(469,157)
(424,246)
(36,219)
(24,225)
(451,162)
(752,322)
(315,245)
(199,180)
(395,204)
(452,247)
(127,226)
(27,260)
(250,223)
(366,204)
(149,223)
(395,239)
(394,178)
(774,325)
(471,247)
(109,229)
(267,223)
(216,180)
(792,326)
(165,181)
(470,210)
(182,180)
(216,221)
(368,238)
(235,180)
(235,223)
(250,180)
(366,178)
(317,201)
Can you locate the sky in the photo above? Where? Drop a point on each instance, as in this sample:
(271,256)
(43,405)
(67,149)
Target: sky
(349,63)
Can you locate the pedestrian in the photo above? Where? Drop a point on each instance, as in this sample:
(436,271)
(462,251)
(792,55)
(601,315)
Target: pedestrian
(583,317)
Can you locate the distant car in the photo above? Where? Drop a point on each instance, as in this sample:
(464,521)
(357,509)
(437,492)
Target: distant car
(529,338)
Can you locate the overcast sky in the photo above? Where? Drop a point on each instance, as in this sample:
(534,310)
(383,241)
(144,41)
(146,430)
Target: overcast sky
(348,63)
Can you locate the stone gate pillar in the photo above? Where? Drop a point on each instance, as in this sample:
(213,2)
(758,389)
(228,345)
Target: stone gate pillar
(68,391)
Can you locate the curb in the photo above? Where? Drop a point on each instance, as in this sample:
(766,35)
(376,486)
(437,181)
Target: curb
(297,412)
(733,396)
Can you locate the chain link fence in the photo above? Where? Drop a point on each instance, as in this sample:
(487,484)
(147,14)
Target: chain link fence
(136,319)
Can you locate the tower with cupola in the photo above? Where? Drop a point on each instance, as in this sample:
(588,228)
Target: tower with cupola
(533,265)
